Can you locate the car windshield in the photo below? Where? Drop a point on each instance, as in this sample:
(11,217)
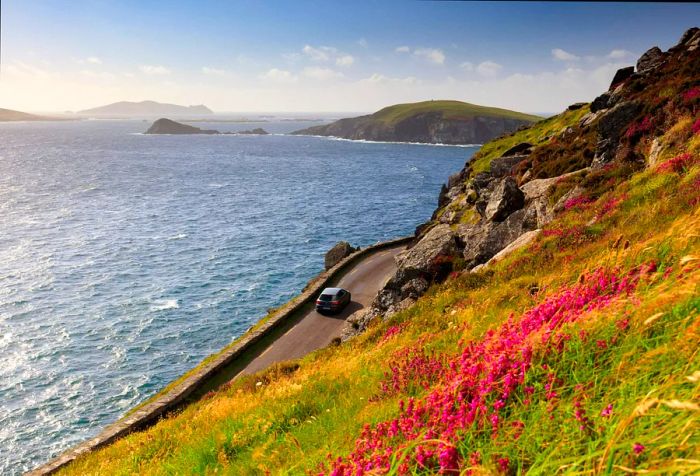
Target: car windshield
(326,297)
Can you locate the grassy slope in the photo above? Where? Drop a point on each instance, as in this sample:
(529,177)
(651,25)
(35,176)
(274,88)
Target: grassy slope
(616,390)
(449,109)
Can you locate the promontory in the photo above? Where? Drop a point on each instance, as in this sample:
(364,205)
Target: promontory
(433,122)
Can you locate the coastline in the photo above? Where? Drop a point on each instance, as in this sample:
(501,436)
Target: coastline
(180,391)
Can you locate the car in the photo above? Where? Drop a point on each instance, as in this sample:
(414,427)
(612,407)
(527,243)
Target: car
(333,300)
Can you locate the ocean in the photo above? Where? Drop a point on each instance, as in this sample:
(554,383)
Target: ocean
(125,259)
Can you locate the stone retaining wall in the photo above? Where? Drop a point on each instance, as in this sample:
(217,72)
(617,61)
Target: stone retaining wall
(151,412)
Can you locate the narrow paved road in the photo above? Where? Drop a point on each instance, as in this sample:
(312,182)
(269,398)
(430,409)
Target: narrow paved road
(316,330)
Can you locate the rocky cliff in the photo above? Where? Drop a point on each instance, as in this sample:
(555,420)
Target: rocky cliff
(515,186)
(435,122)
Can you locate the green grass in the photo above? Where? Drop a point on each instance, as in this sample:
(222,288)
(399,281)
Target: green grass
(449,110)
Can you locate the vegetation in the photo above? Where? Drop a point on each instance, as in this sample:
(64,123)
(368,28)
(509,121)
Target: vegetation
(448,109)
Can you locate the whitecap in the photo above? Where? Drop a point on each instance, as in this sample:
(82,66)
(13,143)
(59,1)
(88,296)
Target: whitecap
(364,141)
(179,236)
(163,304)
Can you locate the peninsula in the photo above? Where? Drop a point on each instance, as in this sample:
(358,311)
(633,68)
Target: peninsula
(432,122)
(145,108)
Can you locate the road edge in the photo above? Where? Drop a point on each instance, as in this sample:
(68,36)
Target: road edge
(150,413)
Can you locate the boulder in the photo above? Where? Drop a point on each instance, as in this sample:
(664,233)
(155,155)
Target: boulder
(483,240)
(520,242)
(621,76)
(601,102)
(340,250)
(650,59)
(504,200)
(357,322)
(610,128)
(576,106)
(689,36)
(503,166)
(419,260)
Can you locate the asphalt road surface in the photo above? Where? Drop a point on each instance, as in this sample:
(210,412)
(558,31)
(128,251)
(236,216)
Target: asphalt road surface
(315,330)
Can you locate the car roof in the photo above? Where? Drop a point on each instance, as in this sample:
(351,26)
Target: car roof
(331,290)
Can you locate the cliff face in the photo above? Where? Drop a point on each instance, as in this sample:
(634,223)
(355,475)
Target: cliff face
(435,127)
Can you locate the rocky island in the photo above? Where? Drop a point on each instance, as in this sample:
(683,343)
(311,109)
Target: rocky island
(432,122)
(168,126)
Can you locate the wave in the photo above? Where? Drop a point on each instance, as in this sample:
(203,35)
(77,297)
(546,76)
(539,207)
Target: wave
(164,304)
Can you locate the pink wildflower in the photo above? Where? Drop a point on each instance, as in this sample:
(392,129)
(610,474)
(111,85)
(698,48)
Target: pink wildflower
(607,411)
(638,448)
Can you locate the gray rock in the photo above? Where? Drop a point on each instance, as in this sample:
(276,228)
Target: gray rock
(651,59)
(576,106)
(415,288)
(621,76)
(504,200)
(689,35)
(418,261)
(610,127)
(601,102)
(340,250)
(503,166)
(483,240)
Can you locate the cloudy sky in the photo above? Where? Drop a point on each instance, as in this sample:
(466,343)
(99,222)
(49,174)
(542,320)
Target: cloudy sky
(322,56)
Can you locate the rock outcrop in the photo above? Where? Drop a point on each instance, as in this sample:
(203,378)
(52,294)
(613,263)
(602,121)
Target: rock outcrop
(340,250)
(168,126)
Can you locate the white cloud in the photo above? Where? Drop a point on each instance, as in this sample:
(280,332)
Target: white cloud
(362,42)
(279,76)
(321,53)
(562,55)
(154,70)
(431,54)
(489,68)
(213,71)
(377,78)
(620,54)
(321,74)
(467,66)
(403,49)
(345,60)
(93,60)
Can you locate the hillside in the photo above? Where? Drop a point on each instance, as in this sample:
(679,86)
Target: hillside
(444,122)
(8,115)
(545,321)
(145,108)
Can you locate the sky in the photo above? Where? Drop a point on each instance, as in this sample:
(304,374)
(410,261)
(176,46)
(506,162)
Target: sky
(324,56)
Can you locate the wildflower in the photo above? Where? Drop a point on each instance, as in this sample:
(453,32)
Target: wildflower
(691,94)
(678,164)
(638,448)
(696,126)
(503,464)
(607,411)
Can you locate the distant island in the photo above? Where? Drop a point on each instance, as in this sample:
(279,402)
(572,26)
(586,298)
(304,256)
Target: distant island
(145,108)
(8,115)
(433,122)
(168,126)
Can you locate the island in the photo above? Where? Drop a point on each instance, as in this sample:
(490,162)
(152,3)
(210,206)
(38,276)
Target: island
(168,126)
(433,122)
(145,108)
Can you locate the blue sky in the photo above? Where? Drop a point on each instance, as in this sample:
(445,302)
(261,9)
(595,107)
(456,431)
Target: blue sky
(322,56)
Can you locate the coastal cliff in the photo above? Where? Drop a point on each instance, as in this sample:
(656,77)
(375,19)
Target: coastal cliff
(434,122)
(545,320)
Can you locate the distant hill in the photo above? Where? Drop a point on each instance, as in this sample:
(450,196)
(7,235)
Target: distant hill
(7,115)
(145,108)
(446,122)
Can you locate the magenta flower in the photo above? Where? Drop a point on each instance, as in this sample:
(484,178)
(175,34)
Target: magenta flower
(638,448)
(607,411)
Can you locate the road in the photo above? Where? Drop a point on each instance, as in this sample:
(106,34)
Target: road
(315,330)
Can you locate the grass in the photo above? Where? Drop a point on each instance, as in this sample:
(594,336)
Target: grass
(449,110)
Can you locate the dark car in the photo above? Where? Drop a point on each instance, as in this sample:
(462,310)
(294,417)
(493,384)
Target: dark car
(332,300)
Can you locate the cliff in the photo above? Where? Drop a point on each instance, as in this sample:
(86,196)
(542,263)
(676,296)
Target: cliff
(145,108)
(435,122)
(546,319)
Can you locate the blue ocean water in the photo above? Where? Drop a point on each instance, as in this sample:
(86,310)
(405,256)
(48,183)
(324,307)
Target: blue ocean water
(125,259)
